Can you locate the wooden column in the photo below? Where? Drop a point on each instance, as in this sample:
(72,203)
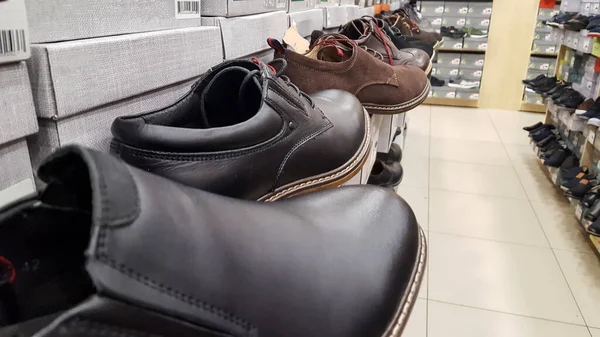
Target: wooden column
(507,57)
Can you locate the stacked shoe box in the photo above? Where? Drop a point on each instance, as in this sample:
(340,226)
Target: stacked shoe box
(82,84)
(255,29)
(479,17)
(434,12)
(455,14)
(456,67)
(16,103)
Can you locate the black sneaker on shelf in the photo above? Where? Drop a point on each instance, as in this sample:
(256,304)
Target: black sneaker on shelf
(590,113)
(542,82)
(573,173)
(577,192)
(533,127)
(566,95)
(545,91)
(569,163)
(572,101)
(547,86)
(534,80)
(566,185)
(560,19)
(559,89)
(539,128)
(590,198)
(594,23)
(436,82)
(557,158)
(577,23)
(559,92)
(593,213)
(594,228)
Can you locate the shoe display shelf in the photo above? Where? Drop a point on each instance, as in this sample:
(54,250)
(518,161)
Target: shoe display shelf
(460,58)
(542,60)
(583,141)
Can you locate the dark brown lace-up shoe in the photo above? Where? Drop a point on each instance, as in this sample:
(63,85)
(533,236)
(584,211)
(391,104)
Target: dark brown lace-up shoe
(245,131)
(335,62)
(409,28)
(374,40)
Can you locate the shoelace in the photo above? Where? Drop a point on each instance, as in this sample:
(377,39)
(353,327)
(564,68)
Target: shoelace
(278,74)
(382,36)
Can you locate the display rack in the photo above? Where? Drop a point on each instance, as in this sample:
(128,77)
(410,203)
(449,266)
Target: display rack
(542,58)
(476,14)
(583,141)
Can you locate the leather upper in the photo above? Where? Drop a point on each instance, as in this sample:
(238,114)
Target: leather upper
(359,73)
(282,143)
(368,35)
(336,263)
(408,28)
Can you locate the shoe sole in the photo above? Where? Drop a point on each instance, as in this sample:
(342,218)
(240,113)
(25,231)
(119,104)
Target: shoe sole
(330,179)
(438,45)
(593,34)
(429,67)
(400,108)
(407,302)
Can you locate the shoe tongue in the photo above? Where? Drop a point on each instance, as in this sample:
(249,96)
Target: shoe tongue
(231,95)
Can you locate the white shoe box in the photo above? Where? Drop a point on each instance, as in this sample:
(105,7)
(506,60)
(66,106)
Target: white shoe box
(307,21)
(353,12)
(232,8)
(334,16)
(18,121)
(61,20)
(246,35)
(72,77)
(14,32)
(301,5)
(367,11)
(92,128)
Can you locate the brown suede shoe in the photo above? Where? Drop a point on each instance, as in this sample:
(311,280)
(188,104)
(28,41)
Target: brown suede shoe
(409,28)
(336,62)
(370,37)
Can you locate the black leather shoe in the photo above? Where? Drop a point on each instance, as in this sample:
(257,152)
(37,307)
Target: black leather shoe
(245,131)
(157,258)
(386,174)
(394,155)
(557,158)
(594,212)
(569,163)
(580,189)
(590,198)
(533,127)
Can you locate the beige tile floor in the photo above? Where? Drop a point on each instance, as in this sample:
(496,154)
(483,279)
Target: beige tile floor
(505,256)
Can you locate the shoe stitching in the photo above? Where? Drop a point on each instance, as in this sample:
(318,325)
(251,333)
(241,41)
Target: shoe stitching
(415,100)
(326,71)
(297,146)
(351,166)
(102,255)
(406,307)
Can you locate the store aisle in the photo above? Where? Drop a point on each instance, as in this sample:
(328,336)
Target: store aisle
(506,258)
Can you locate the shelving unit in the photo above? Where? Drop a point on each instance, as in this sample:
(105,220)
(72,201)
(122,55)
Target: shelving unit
(585,140)
(540,61)
(463,58)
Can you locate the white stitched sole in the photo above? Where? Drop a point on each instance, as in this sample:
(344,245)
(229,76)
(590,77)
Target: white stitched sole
(287,192)
(408,301)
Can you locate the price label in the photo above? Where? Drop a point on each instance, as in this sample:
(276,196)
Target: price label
(578,211)
(555,177)
(591,137)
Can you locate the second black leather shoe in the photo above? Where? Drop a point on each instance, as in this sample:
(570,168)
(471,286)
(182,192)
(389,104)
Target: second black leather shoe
(246,132)
(157,258)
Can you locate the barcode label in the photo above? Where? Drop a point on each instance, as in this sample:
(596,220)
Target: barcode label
(12,42)
(187,9)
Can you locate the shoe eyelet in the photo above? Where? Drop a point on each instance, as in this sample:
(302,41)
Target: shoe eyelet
(292,126)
